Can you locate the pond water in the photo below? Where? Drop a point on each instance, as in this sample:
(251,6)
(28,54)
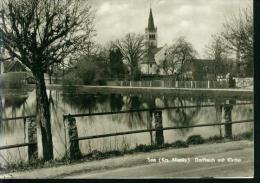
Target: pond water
(21,104)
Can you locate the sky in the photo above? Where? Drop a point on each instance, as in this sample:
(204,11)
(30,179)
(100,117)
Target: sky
(196,20)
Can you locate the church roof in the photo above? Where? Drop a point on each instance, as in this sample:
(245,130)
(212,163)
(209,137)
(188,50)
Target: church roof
(149,57)
(150,21)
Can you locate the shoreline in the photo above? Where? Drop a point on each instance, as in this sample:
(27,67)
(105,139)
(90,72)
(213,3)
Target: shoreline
(236,93)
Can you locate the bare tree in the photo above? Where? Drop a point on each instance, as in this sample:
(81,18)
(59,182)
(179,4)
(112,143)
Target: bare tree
(238,35)
(177,55)
(217,51)
(132,49)
(40,33)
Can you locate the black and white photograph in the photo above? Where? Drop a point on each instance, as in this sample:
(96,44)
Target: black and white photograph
(126,89)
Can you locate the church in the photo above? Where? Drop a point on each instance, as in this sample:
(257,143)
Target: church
(151,60)
(198,69)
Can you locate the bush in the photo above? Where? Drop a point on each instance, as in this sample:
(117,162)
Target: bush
(247,135)
(166,145)
(195,139)
(91,71)
(113,153)
(215,139)
(70,80)
(180,144)
(244,136)
(144,148)
(95,154)
(100,82)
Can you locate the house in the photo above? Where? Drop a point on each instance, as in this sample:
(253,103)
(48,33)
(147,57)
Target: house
(14,66)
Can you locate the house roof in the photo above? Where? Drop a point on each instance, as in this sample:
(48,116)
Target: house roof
(10,66)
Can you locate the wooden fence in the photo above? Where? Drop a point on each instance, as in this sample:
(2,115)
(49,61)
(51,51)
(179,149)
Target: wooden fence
(71,133)
(30,125)
(73,150)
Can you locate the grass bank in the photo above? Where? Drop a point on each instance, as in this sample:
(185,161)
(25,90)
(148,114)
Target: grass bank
(97,155)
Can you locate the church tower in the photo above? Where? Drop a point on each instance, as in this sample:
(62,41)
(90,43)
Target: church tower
(151,33)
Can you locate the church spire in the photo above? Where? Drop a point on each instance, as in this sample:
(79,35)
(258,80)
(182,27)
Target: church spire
(150,21)
(151,32)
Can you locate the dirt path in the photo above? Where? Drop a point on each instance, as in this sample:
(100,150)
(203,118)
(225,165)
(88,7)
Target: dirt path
(137,165)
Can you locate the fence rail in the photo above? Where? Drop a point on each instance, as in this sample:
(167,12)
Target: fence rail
(16,118)
(151,130)
(17,145)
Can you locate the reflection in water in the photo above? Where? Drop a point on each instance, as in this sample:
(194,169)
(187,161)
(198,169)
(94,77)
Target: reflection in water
(60,104)
(84,102)
(116,102)
(135,119)
(181,116)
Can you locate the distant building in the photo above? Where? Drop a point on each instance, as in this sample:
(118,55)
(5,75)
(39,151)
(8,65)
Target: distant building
(14,66)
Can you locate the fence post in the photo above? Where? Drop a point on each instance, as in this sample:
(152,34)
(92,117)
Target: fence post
(219,116)
(150,83)
(208,84)
(227,117)
(65,136)
(32,138)
(149,125)
(24,129)
(159,138)
(73,151)
(176,84)
(191,84)
(121,83)
(130,83)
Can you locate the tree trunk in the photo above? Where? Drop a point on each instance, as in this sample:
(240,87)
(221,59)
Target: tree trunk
(43,117)
(50,78)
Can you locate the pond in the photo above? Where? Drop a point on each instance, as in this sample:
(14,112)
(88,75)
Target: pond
(23,103)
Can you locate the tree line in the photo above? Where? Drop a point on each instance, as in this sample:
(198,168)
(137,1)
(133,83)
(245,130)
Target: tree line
(231,50)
